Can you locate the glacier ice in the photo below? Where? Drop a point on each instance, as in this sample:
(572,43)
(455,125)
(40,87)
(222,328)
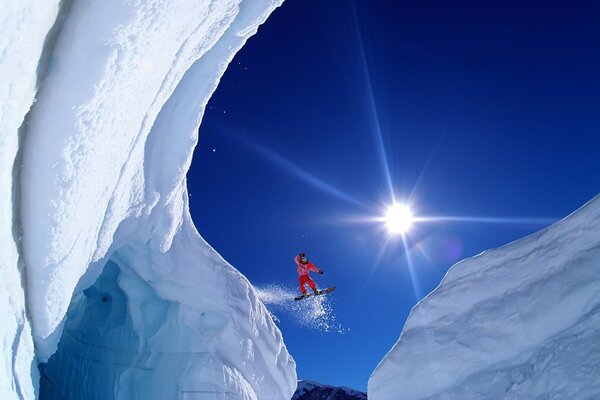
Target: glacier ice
(518,322)
(101,265)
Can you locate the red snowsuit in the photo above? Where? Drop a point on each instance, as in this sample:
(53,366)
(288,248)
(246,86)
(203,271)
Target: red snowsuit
(303,277)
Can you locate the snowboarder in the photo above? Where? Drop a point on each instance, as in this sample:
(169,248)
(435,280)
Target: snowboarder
(304,267)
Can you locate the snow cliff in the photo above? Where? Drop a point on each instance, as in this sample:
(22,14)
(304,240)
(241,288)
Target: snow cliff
(518,322)
(101,265)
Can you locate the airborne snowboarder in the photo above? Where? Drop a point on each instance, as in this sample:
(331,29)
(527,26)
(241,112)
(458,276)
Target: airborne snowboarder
(304,267)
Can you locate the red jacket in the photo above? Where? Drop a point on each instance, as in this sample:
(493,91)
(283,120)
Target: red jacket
(303,269)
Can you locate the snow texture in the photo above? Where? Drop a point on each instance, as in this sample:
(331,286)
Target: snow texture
(99,113)
(23,30)
(309,390)
(518,322)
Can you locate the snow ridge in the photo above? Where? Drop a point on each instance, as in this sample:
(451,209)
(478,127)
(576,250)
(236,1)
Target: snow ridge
(515,322)
(23,28)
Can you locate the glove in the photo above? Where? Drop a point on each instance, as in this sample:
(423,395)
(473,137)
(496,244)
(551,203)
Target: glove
(320,272)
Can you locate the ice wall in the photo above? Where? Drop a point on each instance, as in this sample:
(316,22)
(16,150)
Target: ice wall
(518,322)
(139,333)
(101,159)
(23,29)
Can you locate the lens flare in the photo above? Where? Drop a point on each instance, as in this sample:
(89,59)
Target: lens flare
(398,219)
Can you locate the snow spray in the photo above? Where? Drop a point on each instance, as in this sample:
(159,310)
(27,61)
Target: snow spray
(316,312)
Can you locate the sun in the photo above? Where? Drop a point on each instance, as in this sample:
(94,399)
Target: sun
(398,219)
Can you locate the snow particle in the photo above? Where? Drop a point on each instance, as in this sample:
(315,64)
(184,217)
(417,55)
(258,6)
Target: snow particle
(315,312)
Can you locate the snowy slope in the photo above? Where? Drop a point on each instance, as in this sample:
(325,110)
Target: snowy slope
(518,322)
(23,29)
(309,390)
(99,191)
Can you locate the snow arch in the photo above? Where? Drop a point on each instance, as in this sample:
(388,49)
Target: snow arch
(109,252)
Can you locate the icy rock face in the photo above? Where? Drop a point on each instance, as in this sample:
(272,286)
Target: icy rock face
(103,260)
(518,322)
(308,390)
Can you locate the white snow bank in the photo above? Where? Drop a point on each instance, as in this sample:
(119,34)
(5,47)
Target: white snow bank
(519,322)
(104,153)
(23,29)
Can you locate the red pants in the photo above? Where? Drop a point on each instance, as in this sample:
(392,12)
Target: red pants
(304,279)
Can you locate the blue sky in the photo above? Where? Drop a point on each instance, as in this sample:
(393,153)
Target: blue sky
(487,112)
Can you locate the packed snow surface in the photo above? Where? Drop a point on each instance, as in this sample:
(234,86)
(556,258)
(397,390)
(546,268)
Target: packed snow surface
(101,265)
(518,322)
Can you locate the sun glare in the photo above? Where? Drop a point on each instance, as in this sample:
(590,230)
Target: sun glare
(398,219)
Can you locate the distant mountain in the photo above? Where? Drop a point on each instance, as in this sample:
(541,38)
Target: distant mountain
(308,390)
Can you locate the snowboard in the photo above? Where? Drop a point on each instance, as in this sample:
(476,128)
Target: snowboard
(324,291)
